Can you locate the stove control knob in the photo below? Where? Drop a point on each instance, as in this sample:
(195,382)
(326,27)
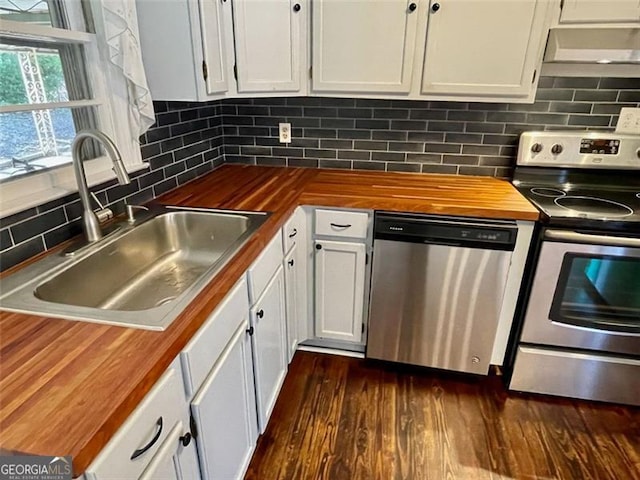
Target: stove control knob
(536,147)
(556,149)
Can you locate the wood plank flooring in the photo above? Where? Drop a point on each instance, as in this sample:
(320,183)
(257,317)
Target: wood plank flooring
(341,418)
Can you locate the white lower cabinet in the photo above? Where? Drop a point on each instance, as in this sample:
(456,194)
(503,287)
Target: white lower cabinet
(339,287)
(294,241)
(269,346)
(218,371)
(155,442)
(174,464)
(224,411)
(291,276)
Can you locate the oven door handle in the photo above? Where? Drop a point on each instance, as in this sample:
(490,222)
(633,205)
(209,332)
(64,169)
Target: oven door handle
(575,237)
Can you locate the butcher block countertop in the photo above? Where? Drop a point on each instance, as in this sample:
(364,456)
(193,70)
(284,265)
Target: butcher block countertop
(67,386)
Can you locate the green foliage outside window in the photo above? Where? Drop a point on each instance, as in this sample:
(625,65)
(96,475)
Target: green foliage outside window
(12,91)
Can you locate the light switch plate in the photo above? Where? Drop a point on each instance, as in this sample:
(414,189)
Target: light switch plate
(285,132)
(629,121)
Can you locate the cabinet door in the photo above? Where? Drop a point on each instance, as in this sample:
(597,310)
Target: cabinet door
(269,44)
(225,412)
(291,279)
(339,283)
(174,460)
(363,45)
(269,346)
(484,48)
(600,11)
(216,29)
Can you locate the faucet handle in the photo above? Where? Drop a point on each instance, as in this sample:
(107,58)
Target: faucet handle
(102,213)
(95,198)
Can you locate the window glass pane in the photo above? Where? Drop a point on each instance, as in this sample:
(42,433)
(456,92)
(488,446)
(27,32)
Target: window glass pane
(34,141)
(31,75)
(29,11)
(600,292)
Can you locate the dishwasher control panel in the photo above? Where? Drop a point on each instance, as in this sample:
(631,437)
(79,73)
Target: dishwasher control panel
(445,230)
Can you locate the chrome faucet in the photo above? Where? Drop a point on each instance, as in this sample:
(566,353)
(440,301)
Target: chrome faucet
(90,220)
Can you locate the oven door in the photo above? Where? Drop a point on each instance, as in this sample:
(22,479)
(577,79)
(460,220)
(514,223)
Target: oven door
(586,293)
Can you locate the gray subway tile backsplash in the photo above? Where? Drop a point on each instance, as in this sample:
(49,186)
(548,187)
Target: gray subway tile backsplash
(190,138)
(472,138)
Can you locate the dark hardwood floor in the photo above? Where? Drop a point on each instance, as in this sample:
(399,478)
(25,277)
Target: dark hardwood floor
(343,418)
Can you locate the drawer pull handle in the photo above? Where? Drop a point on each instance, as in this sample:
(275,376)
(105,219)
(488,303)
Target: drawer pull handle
(340,225)
(185,440)
(295,232)
(260,313)
(155,438)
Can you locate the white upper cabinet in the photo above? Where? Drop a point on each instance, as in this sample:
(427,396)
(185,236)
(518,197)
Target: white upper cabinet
(600,11)
(270,40)
(363,46)
(484,48)
(187,48)
(215,25)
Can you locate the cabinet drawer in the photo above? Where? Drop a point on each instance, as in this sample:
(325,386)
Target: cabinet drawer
(293,229)
(337,223)
(202,352)
(148,426)
(264,267)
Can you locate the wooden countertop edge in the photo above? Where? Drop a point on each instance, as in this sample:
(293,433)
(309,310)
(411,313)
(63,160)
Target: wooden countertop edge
(184,327)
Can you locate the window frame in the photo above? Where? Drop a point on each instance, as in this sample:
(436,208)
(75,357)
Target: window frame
(109,91)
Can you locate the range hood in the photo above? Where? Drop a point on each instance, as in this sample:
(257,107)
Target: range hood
(594,45)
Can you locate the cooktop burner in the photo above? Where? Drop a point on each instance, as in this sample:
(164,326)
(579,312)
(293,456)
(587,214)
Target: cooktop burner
(593,206)
(548,192)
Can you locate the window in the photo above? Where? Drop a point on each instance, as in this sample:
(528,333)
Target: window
(55,82)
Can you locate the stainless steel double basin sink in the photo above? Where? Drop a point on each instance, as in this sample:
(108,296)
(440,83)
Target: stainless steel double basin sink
(143,275)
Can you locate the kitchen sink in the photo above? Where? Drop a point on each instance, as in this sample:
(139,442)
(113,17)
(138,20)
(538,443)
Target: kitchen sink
(141,276)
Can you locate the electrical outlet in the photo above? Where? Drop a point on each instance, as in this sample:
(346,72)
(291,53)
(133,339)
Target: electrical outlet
(629,121)
(285,132)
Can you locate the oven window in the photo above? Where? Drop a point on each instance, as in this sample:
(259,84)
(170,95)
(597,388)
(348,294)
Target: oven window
(601,292)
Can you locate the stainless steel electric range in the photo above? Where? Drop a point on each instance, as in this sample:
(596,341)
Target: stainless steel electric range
(580,335)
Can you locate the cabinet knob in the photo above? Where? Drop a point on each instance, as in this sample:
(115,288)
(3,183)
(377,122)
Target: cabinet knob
(290,262)
(435,7)
(260,313)
(250,331)
(412,7)
(318,247)
(185,439)
(296,7)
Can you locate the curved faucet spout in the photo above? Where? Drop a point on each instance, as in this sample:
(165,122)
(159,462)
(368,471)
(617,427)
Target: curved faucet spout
(89,219)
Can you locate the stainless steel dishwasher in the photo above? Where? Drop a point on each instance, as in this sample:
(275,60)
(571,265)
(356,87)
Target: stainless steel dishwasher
(437,288)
